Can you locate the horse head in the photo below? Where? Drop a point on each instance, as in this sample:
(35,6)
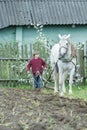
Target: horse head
(64,45)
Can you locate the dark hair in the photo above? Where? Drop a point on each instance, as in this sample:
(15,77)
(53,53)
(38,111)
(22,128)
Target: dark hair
(35,53)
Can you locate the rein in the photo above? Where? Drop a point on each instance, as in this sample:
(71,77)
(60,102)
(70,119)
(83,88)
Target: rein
(61,48)
(67,60)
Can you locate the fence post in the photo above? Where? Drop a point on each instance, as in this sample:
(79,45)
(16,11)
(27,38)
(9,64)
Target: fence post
(80,61)
(85,59)
(0,70)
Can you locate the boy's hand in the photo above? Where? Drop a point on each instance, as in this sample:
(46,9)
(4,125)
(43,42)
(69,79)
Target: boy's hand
(37,73)
(27,72)
(45,69)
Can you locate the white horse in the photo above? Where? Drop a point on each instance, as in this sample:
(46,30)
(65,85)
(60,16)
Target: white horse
(63,61)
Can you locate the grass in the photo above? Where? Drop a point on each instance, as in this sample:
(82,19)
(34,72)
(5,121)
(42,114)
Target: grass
(78,92)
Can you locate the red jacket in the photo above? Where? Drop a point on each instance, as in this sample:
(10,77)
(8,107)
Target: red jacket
(36,65)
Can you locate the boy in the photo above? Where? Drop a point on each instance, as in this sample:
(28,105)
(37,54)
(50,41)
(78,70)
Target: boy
(36,64)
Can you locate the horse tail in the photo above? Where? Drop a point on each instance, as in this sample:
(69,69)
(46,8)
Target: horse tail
(56,66)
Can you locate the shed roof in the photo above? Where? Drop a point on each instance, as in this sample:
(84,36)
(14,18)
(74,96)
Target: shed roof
(46,12)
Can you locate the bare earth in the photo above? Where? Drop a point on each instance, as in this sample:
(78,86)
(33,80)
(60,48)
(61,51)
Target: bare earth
(28,110)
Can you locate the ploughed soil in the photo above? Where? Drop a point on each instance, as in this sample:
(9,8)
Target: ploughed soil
(28,110)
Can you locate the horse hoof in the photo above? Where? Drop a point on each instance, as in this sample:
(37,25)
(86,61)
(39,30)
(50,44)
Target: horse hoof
(70,92)
(61,94)
(55,93)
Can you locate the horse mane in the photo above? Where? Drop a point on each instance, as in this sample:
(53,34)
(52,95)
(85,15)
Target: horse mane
(73,50)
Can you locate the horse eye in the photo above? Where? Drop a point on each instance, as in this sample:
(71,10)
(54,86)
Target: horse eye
(67,43)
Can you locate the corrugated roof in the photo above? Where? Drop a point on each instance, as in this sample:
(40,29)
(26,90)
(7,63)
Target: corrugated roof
(46,12)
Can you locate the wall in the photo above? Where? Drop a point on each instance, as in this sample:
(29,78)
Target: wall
(78,33)
(29,34)
(7,35)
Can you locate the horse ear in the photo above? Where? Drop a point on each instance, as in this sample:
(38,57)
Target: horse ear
(59,36)
(68,36)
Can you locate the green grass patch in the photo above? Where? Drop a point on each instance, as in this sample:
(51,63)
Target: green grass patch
(79,92)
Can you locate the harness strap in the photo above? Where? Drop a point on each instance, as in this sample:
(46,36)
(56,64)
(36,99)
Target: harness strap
(57,68)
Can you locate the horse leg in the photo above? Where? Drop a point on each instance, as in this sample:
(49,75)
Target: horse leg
(63,86)
(71,80)
(56,82)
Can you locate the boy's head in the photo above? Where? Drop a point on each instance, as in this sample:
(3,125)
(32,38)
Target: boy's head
(36,54)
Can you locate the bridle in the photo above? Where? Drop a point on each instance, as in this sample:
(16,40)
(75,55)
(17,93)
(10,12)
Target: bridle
(60,51)
(63,59)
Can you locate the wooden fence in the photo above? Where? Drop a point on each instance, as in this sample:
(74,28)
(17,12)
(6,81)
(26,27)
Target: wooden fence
(82,61)
(85,61)
(10,61)
(13,60)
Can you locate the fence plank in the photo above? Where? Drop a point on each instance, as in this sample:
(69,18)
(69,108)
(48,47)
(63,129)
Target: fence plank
(85,59)
(80,60)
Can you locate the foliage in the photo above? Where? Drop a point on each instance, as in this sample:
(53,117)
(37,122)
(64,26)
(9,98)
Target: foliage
(42,44)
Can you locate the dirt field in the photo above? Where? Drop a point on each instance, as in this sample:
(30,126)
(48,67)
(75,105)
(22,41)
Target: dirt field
(28,110)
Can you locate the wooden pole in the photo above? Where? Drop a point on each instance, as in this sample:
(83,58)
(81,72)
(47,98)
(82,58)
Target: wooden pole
(80,61)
